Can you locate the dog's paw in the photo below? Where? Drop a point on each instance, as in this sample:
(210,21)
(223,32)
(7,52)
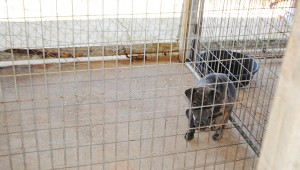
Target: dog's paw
(217,137)
(189,136)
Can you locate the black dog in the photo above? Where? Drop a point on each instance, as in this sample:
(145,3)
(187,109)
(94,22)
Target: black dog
(211,104)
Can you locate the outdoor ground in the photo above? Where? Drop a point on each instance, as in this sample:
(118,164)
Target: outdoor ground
(125,118)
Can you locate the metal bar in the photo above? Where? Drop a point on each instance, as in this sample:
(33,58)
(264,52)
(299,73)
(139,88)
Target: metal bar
(246,135)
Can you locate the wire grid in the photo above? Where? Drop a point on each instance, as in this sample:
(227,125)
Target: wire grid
(124,114)
(252,29)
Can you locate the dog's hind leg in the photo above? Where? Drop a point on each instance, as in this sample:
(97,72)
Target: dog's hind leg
(190,133)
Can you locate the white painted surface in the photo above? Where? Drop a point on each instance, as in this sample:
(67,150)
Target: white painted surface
(33,10)
(61,60)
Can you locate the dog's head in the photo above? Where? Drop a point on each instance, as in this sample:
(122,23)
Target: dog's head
(202,100)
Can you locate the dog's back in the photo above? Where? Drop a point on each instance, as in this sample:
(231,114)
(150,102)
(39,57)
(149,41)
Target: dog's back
(221,83)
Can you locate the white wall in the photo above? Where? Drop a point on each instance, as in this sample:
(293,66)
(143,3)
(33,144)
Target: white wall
(49,9)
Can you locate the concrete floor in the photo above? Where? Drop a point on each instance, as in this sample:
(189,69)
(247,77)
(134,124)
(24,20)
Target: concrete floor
(129,118)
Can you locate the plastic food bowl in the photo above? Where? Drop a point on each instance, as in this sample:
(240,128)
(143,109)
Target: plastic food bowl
(240,68)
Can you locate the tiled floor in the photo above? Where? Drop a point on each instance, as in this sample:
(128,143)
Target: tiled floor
(125,118)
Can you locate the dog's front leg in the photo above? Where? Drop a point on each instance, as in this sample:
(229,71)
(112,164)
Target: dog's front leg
(219,133)
(190,133)
(220,124)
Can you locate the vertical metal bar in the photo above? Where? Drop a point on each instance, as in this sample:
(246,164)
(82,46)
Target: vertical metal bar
(103,86)
(16,95)
(237,94)
(253,110)
(171,56)
(60,80)
(159,36)
(169,75)
(185,27)
(186,44)
(143,87)
(252,124)
(129,86)
(116,81)
(155,84)
(248,8)
(218,58)
(6,127)
(90,93)
(178,106)
(197,21)
(4,107)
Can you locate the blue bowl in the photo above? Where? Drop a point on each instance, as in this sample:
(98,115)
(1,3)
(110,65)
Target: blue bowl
(239,68)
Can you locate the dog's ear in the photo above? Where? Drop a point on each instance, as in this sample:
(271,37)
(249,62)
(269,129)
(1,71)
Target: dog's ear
(189,92)
(215,94)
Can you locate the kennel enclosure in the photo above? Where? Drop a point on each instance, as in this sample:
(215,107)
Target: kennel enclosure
(100,85)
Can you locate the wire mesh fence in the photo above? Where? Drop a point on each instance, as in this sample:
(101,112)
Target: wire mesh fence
(98,85)
(246,41)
